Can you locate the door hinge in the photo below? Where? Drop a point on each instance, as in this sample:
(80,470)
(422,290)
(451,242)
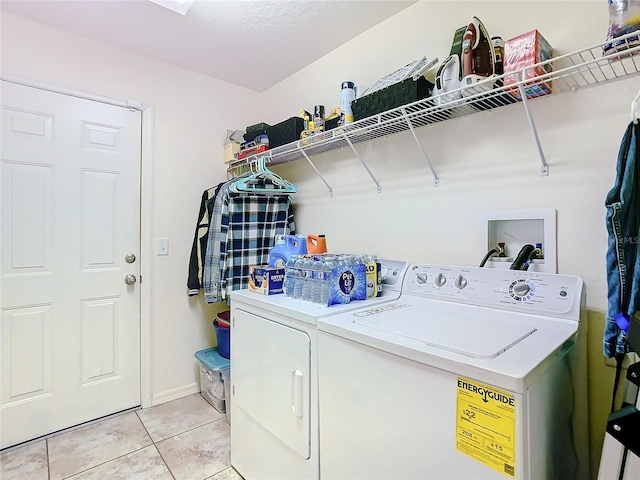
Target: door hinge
(233,389)
(140,279)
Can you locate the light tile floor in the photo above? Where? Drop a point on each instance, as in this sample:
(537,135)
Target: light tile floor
(186,439)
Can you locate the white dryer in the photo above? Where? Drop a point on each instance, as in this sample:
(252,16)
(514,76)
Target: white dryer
(274,377)
(472,374)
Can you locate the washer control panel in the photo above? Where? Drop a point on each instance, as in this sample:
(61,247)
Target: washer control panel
(533,291)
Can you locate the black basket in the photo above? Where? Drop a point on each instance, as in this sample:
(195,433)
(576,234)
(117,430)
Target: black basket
(393,96)
(255,130)
(285,132)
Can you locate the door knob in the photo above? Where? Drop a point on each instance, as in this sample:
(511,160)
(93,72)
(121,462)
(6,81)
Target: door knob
(130,279)
(130,258)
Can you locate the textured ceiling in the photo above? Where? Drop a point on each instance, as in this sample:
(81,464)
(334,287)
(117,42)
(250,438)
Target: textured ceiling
(253,44)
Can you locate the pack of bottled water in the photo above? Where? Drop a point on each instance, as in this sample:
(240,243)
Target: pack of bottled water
(331,279)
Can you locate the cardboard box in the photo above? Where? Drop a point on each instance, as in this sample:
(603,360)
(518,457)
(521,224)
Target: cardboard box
(266,280)
(525,51)
(230,151)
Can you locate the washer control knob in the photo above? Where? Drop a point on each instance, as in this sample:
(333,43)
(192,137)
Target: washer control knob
(440,280)
(521,289)
(421,278)
(461,282)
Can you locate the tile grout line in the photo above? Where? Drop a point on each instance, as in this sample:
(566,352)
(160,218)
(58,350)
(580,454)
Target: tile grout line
(156,447)
(186,431)
(104,463)
(116,458)
(155,444)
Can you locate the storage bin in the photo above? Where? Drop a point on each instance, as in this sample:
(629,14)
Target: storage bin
(285,132)
(211,383)
(223,335)
(254,131)
(393,96)
(226,379)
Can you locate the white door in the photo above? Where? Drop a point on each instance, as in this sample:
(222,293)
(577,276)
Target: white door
(70,206)
(271,378)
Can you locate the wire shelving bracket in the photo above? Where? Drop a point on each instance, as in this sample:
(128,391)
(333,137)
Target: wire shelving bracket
(544,170)
(364,164)
(304,154)
(436,179)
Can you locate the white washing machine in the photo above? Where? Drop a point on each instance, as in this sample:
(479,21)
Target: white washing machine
(274,377)
(471,374)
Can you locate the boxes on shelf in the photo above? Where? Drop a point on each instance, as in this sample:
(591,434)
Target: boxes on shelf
(255,130)
(230,151)
(396,95)
(265,279)
(285,132)
(525,51)
(211,383)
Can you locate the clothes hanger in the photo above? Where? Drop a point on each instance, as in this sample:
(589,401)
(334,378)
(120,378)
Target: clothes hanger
(634,109)
(253,183)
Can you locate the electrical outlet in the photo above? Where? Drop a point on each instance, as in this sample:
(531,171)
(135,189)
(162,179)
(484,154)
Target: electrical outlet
(629,359)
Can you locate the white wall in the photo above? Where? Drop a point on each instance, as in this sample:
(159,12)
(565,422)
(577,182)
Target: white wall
(192,113)
(486,161)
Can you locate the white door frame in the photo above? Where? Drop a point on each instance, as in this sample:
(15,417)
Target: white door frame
(146,392)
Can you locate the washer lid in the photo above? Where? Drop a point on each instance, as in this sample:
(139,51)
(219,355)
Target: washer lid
(478,336)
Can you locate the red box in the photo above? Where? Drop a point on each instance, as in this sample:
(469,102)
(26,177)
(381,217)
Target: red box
(251,151)
(525,51)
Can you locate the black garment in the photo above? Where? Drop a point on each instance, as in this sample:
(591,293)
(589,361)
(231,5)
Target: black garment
(199,247)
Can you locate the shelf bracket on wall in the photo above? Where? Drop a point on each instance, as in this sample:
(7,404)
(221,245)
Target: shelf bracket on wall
(304,154)
(363,163)
(436,179)
(544,171)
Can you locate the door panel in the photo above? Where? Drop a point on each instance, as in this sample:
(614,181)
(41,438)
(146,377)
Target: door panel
(70,205)
(271,378)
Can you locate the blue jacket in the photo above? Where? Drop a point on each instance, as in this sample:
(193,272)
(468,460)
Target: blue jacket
(623,252)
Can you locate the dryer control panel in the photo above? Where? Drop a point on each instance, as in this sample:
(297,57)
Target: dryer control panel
(535,292)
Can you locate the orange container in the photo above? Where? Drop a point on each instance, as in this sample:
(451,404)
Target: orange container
(316,244)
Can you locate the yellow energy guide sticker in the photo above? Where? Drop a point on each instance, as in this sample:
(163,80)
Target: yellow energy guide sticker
(486,425)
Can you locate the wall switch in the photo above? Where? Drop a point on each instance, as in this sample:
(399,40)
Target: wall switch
(163,246)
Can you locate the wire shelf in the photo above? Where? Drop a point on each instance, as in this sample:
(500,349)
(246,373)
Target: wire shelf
(570,72)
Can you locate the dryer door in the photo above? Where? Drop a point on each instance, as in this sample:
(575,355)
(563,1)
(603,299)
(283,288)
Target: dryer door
(271,370)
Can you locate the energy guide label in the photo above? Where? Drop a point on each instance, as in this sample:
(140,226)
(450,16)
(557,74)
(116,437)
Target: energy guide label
(486,425)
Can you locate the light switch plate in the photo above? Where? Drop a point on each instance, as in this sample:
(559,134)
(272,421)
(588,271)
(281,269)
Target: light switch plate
(163,246)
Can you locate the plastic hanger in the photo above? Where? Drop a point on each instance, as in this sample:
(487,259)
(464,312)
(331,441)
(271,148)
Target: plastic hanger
(634,109)
(278,185)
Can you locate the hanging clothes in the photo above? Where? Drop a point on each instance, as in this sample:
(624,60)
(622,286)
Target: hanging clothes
(242,231)
(623,252)
(200,239)
(249,225)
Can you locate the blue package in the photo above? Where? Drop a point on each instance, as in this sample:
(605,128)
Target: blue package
(348,284)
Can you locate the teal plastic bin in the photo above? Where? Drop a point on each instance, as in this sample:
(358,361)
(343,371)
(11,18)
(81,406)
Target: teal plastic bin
(211,382)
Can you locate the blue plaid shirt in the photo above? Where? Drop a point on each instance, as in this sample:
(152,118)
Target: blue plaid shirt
(241,234)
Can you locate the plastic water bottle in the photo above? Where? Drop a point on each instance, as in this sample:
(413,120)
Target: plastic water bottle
(325,284)
(309,282)
(289,276)
(317,279)
(299,281)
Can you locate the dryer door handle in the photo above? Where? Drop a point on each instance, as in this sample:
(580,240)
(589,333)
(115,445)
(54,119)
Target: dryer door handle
(296,392)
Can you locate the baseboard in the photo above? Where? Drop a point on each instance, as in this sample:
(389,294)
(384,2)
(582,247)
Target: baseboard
(175,394)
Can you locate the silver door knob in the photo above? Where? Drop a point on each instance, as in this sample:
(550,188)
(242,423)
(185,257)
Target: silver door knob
(130,258)
(130,279)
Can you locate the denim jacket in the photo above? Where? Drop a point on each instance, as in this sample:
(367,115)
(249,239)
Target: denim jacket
(623,252)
